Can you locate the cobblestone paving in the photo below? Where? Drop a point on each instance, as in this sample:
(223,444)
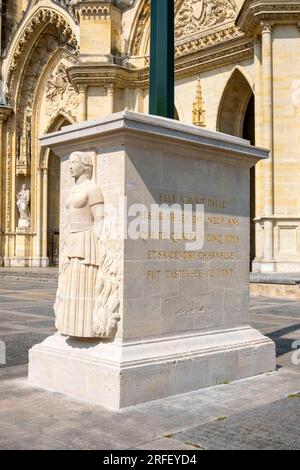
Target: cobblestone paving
(26,315)
(257,413)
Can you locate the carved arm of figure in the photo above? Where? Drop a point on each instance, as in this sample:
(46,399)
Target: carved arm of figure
(98,214)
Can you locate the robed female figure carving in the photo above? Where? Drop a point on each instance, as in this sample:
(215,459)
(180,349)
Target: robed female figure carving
(83,279)
(23,200)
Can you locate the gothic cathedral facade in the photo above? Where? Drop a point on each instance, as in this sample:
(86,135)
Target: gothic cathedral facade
(237,71)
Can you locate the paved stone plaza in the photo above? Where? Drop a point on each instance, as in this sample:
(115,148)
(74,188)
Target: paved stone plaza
(257,413)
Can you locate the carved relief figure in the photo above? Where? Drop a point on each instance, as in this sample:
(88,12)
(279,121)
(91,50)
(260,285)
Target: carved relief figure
(76,292)
(23,201)
(57,83)
(60,94)
(86,304)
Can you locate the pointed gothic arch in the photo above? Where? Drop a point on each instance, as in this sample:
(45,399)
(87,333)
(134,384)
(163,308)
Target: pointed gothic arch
(31,28)
(236,117)
(46,35)
(51,218)
(234,102)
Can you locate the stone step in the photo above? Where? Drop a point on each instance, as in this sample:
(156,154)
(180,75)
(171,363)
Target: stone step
(280,285)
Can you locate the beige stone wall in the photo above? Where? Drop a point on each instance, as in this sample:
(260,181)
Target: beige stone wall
(286,102)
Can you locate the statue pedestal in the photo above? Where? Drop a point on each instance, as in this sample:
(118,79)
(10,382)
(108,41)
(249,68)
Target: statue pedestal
(184,310)
(23,225)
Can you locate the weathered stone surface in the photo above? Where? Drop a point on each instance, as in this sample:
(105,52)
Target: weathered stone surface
(184,320)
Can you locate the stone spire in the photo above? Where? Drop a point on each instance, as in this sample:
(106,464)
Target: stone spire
(198,107)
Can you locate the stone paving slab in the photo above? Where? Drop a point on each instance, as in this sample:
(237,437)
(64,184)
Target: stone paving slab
(31,418)
(272,426)
(251,413)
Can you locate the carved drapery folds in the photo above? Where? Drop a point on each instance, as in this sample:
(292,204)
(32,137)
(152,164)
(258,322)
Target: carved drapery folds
(88,297)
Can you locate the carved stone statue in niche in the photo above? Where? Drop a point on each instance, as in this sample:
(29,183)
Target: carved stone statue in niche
(23,201)
(2,94)
(84,281)
(24,159)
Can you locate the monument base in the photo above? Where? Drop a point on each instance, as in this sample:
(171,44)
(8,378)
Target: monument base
(118,375)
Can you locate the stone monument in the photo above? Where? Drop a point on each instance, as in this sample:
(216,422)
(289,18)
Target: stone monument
(143,310)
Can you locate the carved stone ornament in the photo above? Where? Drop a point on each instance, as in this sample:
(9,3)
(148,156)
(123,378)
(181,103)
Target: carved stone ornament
(87,301)
(41,18)
(198,112)
(197,15)
(69,6)
(24,154)
(60,94)
(191,18)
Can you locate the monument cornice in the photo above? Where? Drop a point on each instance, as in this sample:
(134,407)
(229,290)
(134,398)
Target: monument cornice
(127,125)
(254,12)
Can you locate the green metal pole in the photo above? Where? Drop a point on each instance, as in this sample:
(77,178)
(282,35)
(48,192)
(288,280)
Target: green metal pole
(161,100)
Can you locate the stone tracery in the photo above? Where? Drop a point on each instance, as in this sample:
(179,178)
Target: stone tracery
(47,45)
(40,19)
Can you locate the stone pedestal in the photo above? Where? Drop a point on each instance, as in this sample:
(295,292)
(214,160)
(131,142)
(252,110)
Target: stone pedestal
(23,226)
(22,249)
(184,309)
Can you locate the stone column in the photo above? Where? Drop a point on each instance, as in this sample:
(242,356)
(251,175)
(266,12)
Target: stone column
(1,188)
(110,94)
(82,90)
(4,113)
(259,169)
(267,66)
(38,216)
(45,213)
